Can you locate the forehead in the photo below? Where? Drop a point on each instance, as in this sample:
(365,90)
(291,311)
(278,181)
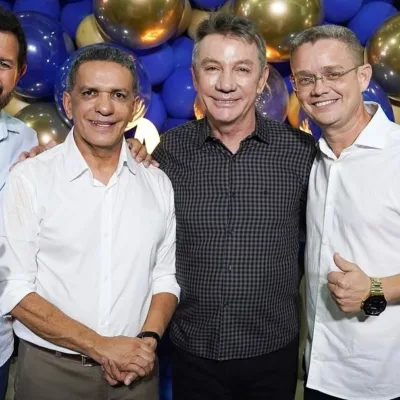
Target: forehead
(225,49)
(324,52)
(8,45)
(104,74)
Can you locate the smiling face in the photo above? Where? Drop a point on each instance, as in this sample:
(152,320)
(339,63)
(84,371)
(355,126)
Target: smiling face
(334,104)
(101,103)
(228,78)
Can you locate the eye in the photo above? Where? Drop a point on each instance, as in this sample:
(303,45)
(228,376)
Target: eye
(244,69)
(4,65)
(211,68)
(305,80)
(332,76)
(120,95)
(88,93)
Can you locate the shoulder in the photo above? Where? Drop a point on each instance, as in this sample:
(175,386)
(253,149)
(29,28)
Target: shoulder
(14,125)
(181,134)
(285,133)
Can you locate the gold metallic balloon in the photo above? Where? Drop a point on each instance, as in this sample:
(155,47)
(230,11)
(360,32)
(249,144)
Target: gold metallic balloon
(16,105)
(280,20)
(198,16)
(227,7)
(383,53)
(45,120)
(185,20)
(396,111)
(139,24)
(293,110)
(88,32)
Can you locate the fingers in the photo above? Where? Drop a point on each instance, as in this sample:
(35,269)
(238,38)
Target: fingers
(137,369)
(137,363)
(112,370)
(148,160)
(50,145)
(23,156)
(130,377)
(142,153)
(343,264)
(154,163)
(34,151)
(108,379)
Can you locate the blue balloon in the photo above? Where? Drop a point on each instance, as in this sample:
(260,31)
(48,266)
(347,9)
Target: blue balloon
(306,124)
(288,84)
(48,47)
(369,18)
(48,7)
(72,15)
(6,5)
(158,62)
(173,123)
(178,94)
(208,4)
(370,1)
(144,87)
(375,93)
(182,48)
(339,11)
(156,112)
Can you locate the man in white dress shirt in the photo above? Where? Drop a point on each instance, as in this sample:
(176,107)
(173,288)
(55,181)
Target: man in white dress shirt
(353,224)
(15,137)
(87,289)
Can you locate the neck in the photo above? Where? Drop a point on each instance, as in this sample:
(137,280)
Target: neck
(342,137)
(103,162)
(232,134)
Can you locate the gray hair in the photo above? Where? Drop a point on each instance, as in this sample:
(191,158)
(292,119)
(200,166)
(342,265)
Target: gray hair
(101,52)
(340,33)
(228,24)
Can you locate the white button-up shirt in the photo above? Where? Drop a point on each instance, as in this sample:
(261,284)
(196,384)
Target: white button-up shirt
(97,252)
(15,137)
(354,209)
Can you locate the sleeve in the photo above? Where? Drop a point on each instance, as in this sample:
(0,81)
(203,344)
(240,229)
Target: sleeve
(18,241)
(164,271)
(160,153)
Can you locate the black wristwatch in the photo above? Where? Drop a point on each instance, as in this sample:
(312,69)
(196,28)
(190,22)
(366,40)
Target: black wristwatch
(150,334)
(375,303)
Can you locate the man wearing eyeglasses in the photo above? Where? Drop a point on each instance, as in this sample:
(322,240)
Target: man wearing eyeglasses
(353,224)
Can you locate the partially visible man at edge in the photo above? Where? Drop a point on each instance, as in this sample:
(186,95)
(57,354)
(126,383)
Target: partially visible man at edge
(86,292)
(240,184)
(353,224)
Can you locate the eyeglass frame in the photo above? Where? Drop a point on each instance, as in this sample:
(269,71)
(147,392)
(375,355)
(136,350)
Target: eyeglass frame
(317,78)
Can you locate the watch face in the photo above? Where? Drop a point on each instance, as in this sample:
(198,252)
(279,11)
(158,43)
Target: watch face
(374,305)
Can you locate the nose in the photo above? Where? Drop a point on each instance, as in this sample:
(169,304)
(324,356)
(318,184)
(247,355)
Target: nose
(320,88)
(226,82)
(104,104)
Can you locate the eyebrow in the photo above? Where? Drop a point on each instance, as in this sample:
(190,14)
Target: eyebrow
(324,69)
(213,60)
(9,60)
(96,89)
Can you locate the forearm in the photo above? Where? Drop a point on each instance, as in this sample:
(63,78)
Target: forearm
(391,288)
(52,325)
(162,308)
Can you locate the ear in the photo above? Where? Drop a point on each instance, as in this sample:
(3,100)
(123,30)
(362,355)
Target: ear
(262,81)
(364,76)
(194,76)
(67,104)
(22,72)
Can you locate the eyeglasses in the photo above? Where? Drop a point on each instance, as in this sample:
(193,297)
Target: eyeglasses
(304,83)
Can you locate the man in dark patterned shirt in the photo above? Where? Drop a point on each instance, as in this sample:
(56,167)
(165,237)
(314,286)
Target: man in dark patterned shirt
(240,185)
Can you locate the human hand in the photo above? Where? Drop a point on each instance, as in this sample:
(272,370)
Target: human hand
(349,286)
(139,153)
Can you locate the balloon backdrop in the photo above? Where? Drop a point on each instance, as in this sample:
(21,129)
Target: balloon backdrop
(383,53)
(88,32)
(278,21)
(139,24)
(185,20)
(48,47)
(45,120)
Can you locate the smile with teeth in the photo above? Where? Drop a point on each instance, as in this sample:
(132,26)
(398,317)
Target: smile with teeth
(324,103)
(102,124)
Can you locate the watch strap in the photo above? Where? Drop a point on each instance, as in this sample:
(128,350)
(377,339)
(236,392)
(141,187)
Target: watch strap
(150,334)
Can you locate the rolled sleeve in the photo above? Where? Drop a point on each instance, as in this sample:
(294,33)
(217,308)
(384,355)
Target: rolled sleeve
(18,242)
(164,280)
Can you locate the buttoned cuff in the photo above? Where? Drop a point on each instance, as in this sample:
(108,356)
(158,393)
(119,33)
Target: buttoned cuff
(12,292)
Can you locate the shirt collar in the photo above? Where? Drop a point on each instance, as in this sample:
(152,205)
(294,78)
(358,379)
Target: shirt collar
(76,165)
(4,126)
(372,136)
(261,130)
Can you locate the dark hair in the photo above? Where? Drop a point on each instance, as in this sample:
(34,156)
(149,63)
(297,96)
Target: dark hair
(101,52)
(229,24)
(9,23)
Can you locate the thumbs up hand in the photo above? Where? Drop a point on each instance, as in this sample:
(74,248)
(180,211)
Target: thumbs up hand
(349,286)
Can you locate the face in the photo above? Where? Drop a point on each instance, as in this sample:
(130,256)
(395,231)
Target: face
(9,73)
(101,103)
(336,103)
(228,78)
